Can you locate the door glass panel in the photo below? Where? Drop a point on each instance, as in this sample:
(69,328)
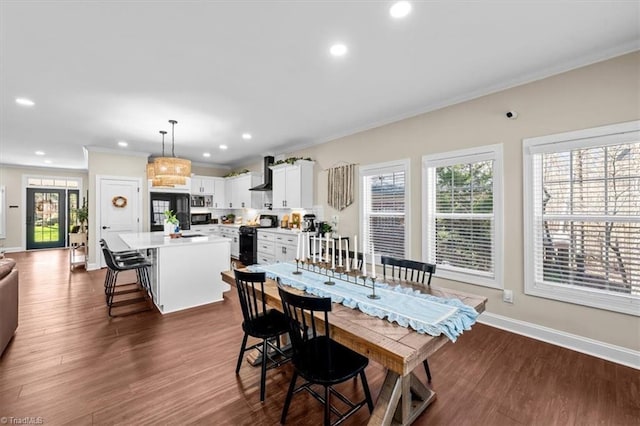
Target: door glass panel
(46,218)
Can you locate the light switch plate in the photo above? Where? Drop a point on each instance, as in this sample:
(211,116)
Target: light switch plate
(507,296)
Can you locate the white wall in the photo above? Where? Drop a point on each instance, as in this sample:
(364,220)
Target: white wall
(603,93)
(109,164)
(11,177)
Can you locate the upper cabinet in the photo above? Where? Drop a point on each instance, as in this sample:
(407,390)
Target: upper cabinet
(238,195)
(203,185)
(293,185)
(219,194)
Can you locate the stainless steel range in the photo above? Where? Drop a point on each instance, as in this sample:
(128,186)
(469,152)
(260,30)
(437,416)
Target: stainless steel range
(249,238)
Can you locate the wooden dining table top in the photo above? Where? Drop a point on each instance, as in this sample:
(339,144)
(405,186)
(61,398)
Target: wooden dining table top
(400,349)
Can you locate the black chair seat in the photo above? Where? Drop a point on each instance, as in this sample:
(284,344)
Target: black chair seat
(311,362)
(269,324)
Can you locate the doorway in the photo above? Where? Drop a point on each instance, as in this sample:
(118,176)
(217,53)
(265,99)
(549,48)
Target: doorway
(46,218)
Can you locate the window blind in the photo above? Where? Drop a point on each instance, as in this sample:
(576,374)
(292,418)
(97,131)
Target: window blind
(384,212)
(586,221)
(463,232)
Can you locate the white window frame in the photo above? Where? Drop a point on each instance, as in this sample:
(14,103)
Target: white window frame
(472,155)
(377,169)
(597,136)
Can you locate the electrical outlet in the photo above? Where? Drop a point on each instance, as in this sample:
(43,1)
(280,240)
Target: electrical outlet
(507,296)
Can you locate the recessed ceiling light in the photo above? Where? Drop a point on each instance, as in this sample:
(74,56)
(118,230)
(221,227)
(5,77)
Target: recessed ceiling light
(39,152)
(206,154)
(246,136)
(338,50)
(223,147)
(400,9)
(48,161)
(25,102)
(123,143)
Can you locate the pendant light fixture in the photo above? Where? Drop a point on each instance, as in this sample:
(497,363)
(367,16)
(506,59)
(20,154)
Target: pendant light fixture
(151,171)
(170,171)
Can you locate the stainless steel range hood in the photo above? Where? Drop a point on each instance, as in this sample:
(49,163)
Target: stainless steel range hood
(267,173)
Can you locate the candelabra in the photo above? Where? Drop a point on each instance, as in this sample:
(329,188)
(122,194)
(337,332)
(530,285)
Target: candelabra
(298,271)
(373,285)
(329,280)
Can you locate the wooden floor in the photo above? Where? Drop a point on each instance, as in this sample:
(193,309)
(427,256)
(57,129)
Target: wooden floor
(70,364)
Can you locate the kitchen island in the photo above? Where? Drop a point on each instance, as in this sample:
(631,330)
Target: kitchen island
(185,271)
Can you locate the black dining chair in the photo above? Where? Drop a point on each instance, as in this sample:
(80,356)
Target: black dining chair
(317,358)
(260,322)
(412,271)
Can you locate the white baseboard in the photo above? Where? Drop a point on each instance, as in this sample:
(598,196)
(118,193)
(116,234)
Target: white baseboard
(92,266)
(11,249)
(613,353)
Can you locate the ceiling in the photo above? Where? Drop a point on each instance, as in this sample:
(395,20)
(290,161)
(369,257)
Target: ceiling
(101,72)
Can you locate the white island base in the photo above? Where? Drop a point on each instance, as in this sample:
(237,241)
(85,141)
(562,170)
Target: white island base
(186,272)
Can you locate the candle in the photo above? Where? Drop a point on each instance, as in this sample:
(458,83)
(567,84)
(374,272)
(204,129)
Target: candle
(355,252)
(309,245)
(333,254)
(302,251)
(313,241)
(339,250)
(373,261)
(326,249)
(298,248)
(346,242)
(364,259)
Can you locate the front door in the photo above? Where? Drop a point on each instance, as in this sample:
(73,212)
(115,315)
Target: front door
(46,218)
(119,208)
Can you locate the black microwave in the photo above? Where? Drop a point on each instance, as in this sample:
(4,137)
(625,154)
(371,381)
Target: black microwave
(200,218)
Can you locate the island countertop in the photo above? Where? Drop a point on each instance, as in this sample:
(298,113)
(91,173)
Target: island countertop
(145,240)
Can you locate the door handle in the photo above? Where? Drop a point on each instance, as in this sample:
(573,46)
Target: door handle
(106,227)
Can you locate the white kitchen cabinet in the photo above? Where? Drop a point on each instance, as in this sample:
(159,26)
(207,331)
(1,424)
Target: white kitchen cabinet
(266,247)
(276,246)
(233,233)
(203,185)
(219,198)
(293,185)
(285,247)
(237,191)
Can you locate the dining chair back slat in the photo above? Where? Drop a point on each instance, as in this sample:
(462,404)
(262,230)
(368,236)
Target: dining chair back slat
(407,270)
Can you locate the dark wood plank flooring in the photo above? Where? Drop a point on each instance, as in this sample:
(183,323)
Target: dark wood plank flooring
(70,364)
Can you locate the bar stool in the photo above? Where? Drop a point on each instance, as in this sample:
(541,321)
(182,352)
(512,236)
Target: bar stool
(115,266)
(127,256)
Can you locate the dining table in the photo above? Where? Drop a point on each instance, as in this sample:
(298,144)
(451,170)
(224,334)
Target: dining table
(399,349)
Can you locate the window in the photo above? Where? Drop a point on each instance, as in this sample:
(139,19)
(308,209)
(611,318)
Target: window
(582,217)
(462,205)
(384,209)
(53,182)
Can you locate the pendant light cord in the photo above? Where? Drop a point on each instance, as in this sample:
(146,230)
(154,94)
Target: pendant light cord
(173,123)
(162,132)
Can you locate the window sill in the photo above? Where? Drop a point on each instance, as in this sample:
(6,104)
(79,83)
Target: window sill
(621,303)
(468,278)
